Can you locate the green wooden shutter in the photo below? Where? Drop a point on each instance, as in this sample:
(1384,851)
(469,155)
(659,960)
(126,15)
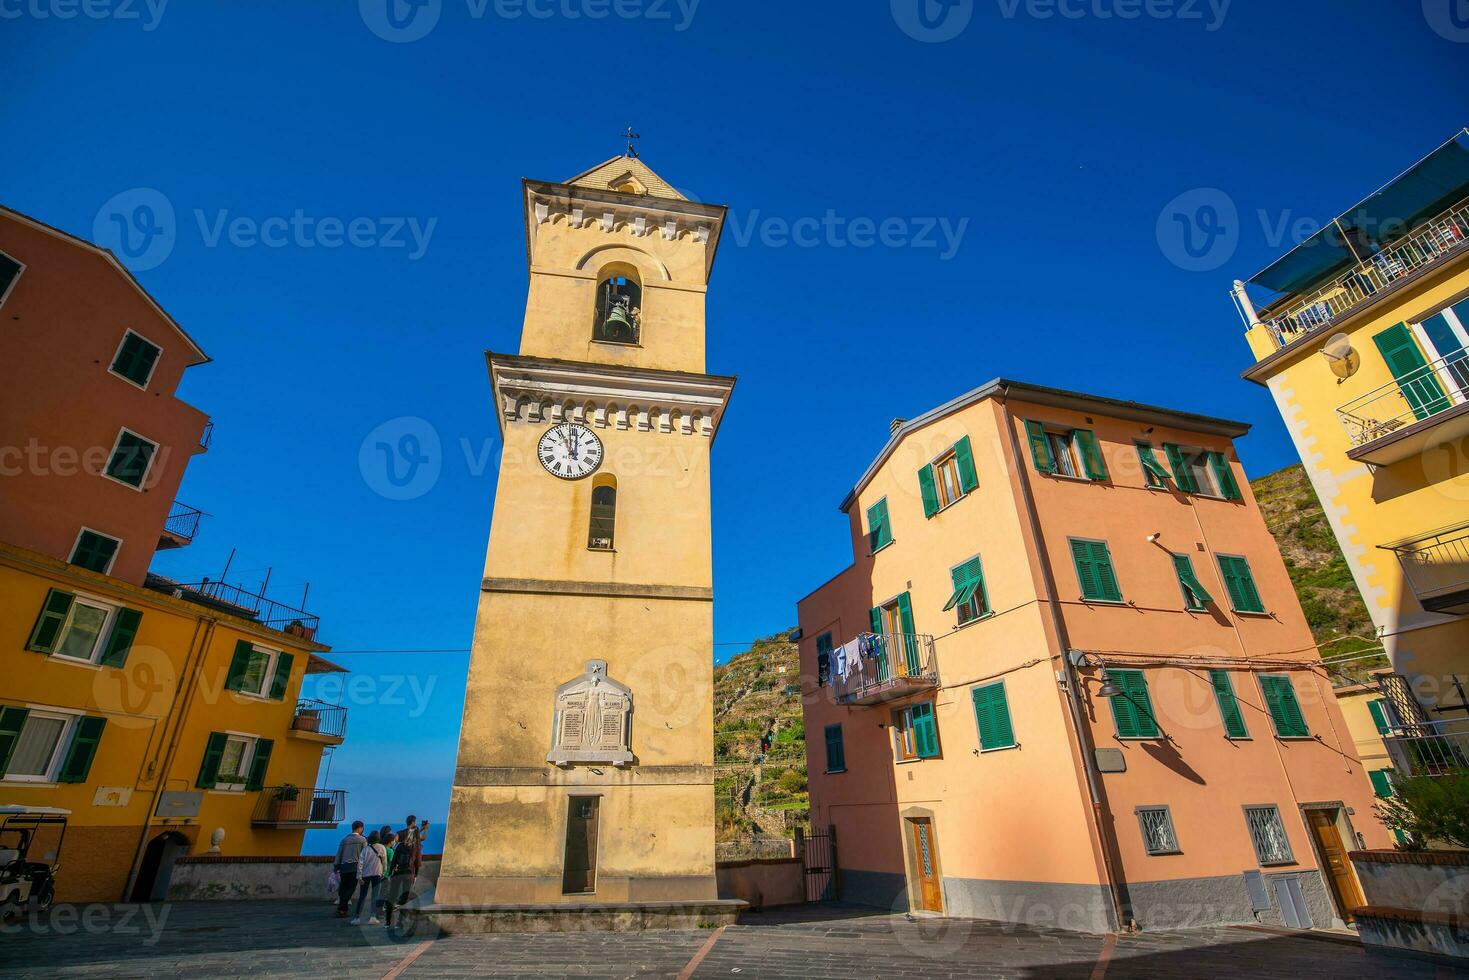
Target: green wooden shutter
(12,720)
(1243,595)
(1234,721)
(925,731)
(1196,596)
(282,678)
(1285,711)
(1091,455)
(93,552)
(1132,708)
(1094,571)
(120,640)
(992,715)
(83,748)
(1224,474)
(259,762)
(213,753)
(1153,472)
(964,458)
(48,624)
(928,491)
(968,580)
(1381,782)
(1183,477)
(910,639)
(876,619)
(879,525)
(1040,449)
(1420,388)
(1379,716)
(239,666)
(836,756)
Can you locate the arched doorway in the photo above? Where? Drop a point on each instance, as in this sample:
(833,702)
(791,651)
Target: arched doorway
(156,870)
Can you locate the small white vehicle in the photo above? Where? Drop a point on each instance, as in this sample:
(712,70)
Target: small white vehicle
(30,844)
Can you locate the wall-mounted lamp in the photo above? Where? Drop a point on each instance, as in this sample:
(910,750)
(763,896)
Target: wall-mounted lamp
(1153,538)
(1109,688)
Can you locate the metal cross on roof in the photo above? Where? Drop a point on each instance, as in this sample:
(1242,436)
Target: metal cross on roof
(630,136)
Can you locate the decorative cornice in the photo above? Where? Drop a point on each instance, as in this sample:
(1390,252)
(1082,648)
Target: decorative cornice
(534,389)
(691,775)
(606,590)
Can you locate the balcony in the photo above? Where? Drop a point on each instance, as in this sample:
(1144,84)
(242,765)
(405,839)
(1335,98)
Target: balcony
(293,808)
(1437,569)
(1431,243)
(318,721)
(1397,421)
(1429,748)
(235,600)
(206,437)
(180,527)
(892,665)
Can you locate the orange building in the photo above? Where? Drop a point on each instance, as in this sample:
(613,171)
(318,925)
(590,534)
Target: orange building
(165,717)
(1066,679)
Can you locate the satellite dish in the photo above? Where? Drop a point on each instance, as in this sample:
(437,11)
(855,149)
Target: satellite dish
(1344,360)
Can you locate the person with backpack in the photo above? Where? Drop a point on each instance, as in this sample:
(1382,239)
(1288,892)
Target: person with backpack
(400,882)
(372,862)
(345,863)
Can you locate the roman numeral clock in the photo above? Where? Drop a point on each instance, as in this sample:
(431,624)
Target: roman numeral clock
(586,756)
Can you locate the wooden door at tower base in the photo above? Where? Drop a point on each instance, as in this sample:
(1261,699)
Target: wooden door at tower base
(579,869)
(925,865)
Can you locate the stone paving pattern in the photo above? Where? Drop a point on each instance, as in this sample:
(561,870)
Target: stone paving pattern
(303,939)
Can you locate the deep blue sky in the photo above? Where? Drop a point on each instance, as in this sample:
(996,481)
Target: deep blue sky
(1057,142)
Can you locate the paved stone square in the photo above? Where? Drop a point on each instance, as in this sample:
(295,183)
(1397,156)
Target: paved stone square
(303,939)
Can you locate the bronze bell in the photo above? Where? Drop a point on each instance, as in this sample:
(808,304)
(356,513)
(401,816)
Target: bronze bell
(618,323)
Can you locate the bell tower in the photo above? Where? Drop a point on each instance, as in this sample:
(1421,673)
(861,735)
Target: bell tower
(585,768)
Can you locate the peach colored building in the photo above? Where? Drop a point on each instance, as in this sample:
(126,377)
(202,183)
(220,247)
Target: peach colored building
(1066,679)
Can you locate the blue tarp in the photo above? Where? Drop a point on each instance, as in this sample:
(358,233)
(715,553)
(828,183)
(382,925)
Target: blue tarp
(1430,186)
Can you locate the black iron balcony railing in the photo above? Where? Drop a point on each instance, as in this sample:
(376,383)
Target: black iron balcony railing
(883,666)
(319,718)
(207,436)
(237,601)
(293,807)
(180,527)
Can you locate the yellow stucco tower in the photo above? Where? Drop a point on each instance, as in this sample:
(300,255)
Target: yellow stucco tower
(584,779)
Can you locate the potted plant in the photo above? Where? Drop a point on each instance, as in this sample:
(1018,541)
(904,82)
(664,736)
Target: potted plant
(307,720)
(297,628)
(283,804)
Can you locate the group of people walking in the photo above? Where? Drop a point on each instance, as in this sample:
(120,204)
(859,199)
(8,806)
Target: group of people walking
(380,868)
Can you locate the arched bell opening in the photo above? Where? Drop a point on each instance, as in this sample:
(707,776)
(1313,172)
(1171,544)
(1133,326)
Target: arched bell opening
(603,523)
(619,313)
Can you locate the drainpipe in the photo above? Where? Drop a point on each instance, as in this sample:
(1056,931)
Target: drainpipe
(1072,682)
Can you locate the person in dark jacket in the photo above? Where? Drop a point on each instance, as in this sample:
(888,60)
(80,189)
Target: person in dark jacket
(400,882)
(349,851)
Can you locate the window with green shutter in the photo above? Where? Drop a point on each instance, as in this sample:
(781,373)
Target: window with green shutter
(1224,476)
(1092,463)
(131,458)
(47,630)
(1378,710)
(1285,710)
(1243,596)
(94,551)
(86,736)
(1155,476)
(213,756)
(12,723)
(1229,713)
(879,528)
(259,763)
(1381,782)
(1132,708)
(135,359)
(948,478)
(10,271)
(1094,571)
(1195,596)
(823,659)
(915,733)
(969,592)
(836,753)
(1040,447)
(992,716)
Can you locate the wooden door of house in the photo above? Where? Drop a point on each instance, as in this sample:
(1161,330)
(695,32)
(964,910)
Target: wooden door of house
(1337,867)
(925,865)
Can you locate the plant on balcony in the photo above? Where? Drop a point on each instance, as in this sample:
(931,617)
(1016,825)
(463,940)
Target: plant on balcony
(307,720)
(283,802)
(1429,808)
(297,628)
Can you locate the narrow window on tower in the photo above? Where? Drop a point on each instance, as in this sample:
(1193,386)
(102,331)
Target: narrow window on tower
(619,308)
(604,513)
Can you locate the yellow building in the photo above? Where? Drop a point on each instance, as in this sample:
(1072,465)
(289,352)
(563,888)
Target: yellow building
(1362,343)
(585,768)
(158,713)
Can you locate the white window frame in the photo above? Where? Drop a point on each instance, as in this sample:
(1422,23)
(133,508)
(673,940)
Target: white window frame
(151,371)
(11,288)
(1062,444)
(272,657)
(101,534)
(152,458)
(247,759)
(1459,329)
(1204,478)
(68,718)
(96,603)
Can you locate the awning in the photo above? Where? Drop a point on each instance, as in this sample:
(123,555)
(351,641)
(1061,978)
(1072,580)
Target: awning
(1428,187)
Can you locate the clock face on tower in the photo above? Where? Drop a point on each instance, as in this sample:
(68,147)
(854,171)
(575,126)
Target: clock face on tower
(570,451)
